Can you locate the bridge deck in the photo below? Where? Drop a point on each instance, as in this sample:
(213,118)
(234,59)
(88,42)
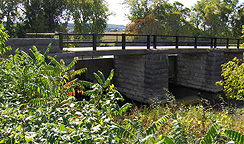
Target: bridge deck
(83,49)
(117,50)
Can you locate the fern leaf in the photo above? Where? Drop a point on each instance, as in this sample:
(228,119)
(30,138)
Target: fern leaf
(148,139)
(121,131)
(235,136)
(71,64)
(212,133)
(47,51)
(110,77)
(124,108)
(28,57)
(99,80)
(89,93)
(155,125)
(35,50)
(179,133)
(77,72)
(64,99)
(56,63)
(100,74)
(38,101)
(166,140)
(86,84)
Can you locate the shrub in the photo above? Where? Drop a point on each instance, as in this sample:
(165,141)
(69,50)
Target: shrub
(233,79)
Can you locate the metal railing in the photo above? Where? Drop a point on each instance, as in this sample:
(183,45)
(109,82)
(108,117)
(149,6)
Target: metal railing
(149,41)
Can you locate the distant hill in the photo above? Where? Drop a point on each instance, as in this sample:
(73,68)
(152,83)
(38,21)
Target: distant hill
(110,27)
(114,26)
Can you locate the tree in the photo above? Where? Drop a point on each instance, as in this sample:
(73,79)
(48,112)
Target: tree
(148,25)
(218,18)
(23,16)
(89,16)
(173,17)
(43,15)
(165,18)
(9,12)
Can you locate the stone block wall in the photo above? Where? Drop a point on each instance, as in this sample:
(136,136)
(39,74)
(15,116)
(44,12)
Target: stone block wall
(105,65)
(142,77)
(200,70)
(230,55)
(26,43)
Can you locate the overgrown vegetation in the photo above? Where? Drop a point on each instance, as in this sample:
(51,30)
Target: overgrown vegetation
(233,73)
(37,105)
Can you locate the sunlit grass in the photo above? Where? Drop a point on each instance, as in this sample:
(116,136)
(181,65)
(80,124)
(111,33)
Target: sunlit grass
(196,120)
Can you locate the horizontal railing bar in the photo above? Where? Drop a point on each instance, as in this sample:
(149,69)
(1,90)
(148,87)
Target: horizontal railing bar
(41,33)
(77,34)
(148,40)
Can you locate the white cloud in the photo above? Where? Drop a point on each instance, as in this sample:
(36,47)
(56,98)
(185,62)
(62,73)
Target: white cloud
(119,11)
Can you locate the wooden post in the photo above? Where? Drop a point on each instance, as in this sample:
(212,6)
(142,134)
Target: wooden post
(148,41)
(177,42)
(238,43)
(227,43)
(94,41)
(155,41)
(215,42)
(116,40)
(195,45)
(211,42)
(123,41)
(61,46)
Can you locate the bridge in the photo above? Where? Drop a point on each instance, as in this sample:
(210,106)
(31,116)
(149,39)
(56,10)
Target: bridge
(146,64)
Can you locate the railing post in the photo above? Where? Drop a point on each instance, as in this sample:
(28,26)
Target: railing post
(94,41)
(116,40)
(177,42)
(195,46)
(155,41)
(227,43)
(215,42)
(211,42)
(148,41)
(238,43)
(123,41)
(61,46)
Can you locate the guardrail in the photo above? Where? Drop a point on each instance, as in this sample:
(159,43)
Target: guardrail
(144,40)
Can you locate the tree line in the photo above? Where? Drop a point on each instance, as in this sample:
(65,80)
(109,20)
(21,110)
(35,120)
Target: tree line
(23,16)
(215,18)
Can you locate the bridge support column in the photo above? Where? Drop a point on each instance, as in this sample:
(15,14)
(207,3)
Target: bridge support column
(200,70)
(203,70)
(142,77)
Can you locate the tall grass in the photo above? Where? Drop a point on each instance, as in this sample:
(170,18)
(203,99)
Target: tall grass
(196,120)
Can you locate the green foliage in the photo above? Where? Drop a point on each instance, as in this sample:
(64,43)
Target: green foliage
(179,133)
(235,136)
(211,135)
(233,74)
(106,44)
(37,106)
(215,18)
(89,16)
(3,38)
(218,18)
(21,17)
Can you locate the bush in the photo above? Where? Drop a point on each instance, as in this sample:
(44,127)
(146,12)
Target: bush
(233,79)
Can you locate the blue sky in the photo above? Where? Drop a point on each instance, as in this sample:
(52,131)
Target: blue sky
(116,7)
